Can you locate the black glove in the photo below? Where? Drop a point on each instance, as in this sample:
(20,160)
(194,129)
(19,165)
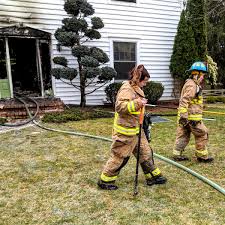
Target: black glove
(183,121)
(194,123)
(146,122)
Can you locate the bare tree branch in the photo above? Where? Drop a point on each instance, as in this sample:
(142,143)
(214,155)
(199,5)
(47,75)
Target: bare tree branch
(96,88)
(71,83)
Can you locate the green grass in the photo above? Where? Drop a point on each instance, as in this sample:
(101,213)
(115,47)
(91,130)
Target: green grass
(50,178)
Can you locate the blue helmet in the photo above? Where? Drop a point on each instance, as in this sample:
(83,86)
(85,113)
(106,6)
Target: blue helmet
(199,66)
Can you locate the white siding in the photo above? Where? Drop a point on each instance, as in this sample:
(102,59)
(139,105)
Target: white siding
(151,23)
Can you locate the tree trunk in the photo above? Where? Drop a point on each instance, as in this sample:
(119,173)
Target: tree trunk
(82,86)
(82,96)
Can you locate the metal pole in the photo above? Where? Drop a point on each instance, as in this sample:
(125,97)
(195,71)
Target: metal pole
(8,67)
(39,68)
(138,152)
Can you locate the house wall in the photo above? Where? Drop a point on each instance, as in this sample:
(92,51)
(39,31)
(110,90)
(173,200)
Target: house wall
(150,23)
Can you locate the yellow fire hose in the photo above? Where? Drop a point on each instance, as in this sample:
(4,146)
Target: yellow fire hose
(218,113)
(209,112)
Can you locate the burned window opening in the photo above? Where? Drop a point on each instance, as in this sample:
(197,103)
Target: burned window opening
(24,66)
(27,65)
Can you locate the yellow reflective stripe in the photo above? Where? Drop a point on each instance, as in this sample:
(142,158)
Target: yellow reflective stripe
(131,108)
(195,117)
(148,175)
(177,153)
(156,172)
(200,153)
(107,179)
(136,113)
(197,101)
(182,110)
(124,130)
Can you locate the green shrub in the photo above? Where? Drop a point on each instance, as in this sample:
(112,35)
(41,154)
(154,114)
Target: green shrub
(111,91)
(213,99)
(153,91)
(75,114)
(61,117)
(2,120)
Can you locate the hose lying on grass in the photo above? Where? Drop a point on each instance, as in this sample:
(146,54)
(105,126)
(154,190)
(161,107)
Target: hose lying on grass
(193,173)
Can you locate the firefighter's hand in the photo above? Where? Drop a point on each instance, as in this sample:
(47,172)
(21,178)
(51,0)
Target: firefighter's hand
(142,102)
(183,121)
(193,123)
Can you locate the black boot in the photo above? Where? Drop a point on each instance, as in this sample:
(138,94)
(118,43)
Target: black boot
(156,180)
(205,160)
(180,158)
(107,185)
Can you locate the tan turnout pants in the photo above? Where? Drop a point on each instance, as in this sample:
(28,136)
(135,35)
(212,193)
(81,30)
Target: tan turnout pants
(200,133)
(122,148)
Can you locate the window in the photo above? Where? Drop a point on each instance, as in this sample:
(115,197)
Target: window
(126,0)
(124,58)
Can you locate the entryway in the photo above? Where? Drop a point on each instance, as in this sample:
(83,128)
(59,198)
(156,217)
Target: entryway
(25,62)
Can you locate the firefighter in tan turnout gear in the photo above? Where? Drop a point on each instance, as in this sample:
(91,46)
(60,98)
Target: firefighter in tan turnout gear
(130,99)
(190,117)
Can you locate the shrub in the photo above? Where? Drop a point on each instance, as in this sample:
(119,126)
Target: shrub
(2,120)
(75,114)
(111,91)
(153,91)
(213,70)
(213,99)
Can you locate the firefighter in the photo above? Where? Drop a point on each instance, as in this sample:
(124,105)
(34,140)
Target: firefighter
(129,101)
(190,117)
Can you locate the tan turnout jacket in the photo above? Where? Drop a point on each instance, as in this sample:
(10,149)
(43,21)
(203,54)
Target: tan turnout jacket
(127,109)
(191,103)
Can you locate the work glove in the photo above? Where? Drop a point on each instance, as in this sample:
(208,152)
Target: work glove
(146,123)
(193,123)
(183,121)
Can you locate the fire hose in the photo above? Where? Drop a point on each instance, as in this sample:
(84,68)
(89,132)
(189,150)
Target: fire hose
(178,165)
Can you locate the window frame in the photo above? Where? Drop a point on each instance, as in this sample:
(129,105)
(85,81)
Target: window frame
(137,47)
(123,3)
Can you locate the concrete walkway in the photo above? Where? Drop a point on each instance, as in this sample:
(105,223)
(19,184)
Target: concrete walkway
(4,129)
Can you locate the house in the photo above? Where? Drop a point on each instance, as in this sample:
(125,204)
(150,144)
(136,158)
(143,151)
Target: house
(136,31)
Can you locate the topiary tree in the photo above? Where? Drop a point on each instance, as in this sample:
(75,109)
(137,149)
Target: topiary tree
(196,17)
(184,50)
(77,29)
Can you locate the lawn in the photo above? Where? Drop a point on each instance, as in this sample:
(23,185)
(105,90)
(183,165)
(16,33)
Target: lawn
(50,178)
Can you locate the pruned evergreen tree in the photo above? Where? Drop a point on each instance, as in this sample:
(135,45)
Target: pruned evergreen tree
(184,50)
(79,28)
(196,17)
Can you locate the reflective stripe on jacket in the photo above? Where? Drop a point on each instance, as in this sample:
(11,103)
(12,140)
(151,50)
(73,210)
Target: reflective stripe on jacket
(190,104)
(127,110)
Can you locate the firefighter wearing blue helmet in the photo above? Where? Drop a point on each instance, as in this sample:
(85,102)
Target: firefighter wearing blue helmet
(190,117)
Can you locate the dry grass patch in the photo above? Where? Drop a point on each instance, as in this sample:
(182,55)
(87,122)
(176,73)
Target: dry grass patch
(50,178)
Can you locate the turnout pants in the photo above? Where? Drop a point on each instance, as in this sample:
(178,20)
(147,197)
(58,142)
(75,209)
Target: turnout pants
(200,133)
(121,149)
